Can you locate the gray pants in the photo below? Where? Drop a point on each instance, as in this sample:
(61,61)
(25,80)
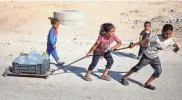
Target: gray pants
(155,63)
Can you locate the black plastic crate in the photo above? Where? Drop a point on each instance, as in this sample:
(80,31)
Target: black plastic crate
(31,69)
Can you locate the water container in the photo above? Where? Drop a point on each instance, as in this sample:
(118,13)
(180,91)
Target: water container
(32,60)
(22,59)
(45,57)
(35,56)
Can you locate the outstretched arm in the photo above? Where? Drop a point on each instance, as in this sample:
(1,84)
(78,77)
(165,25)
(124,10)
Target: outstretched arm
(92,49)
(138,43)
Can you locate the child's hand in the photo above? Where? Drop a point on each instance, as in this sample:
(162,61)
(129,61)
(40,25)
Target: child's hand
(176,50)
(54,47)
(111,49)
(131,45)
(88,54)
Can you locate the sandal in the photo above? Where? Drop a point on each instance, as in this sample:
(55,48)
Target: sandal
(107,78)
(60,63)
(87,78)
(124,81)
(150,87)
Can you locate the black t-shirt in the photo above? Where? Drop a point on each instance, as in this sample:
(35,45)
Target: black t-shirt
(145,35)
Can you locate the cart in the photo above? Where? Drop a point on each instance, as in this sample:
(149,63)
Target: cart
(8,72)
(24,70)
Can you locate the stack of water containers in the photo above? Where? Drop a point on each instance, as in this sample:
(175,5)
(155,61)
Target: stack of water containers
(33,58)
(34,62)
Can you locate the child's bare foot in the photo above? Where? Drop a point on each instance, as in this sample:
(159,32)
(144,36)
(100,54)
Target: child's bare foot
(107,78)
(150,87)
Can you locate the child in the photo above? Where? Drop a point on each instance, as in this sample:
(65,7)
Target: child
(158,43)
(52,39)
(145,34)
(102,48)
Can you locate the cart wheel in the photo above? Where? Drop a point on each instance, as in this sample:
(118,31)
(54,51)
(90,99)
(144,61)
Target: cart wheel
(45,77)
(66,71)
(5,74)
(48,74)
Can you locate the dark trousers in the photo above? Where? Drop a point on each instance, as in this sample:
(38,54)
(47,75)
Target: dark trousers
(96,58)
(155,63)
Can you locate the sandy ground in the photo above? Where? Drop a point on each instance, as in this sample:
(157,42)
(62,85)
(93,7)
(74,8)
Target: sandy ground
(24,25)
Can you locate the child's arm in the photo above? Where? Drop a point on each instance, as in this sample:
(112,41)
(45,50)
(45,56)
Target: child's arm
(119,43)
(145,41)
(176,49)
(138,43)
(92,49)
(52,39)
(141,35)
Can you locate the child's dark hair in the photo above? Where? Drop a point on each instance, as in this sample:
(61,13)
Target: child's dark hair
(147,22)
(167,27)
(54,20)
(106,27)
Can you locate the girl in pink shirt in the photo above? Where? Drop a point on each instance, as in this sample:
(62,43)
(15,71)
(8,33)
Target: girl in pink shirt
(102,48)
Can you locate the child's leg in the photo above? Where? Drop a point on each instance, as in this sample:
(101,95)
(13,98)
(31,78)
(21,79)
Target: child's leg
(93,64)
(55,56)
(128,74)
(157,71)
(156,65)
(143,62)
(53,52)
(149,81)
(110,62)
(48,51)
(95,60)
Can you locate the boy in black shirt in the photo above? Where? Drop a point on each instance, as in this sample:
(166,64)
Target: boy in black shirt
(145,34)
